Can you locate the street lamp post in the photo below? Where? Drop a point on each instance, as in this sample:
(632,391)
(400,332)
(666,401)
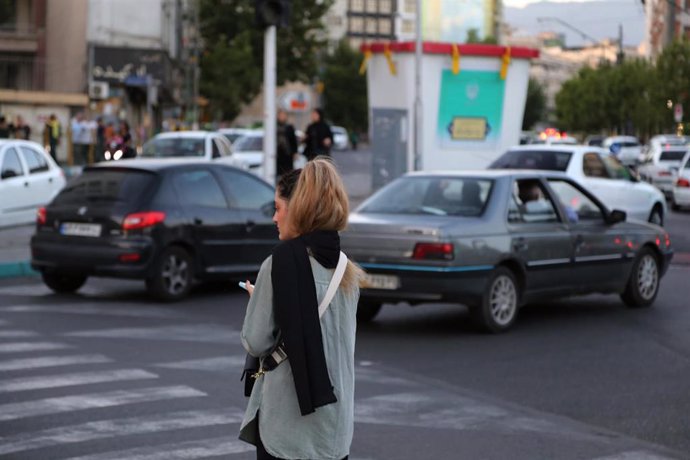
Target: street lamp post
(418,107)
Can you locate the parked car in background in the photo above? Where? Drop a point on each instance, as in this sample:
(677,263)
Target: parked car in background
(552,140)
(29,179)
(494,240)
(680,192)
(661,165)
(341,139)
(594,140)
(598,170)
(231,134)
(250,149)
(199,145)
(626,148)
(165,222)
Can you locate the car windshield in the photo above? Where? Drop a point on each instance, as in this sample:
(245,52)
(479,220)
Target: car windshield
(672,155)
(104,186)
(232,137)
(171,147)
(549,160)
(248,144)
(441,196)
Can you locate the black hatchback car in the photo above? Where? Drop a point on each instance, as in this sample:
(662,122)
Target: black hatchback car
(166,222)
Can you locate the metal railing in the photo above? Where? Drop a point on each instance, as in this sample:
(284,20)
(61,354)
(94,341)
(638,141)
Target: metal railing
(22,73)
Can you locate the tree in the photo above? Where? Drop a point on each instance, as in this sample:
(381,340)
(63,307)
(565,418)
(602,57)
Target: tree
(673,75)
(473,37)
(345,90)
(535,105)
(232,60)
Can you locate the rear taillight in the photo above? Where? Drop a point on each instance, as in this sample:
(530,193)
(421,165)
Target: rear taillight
(142,220)
(682,183)
(41,216)
(435,251)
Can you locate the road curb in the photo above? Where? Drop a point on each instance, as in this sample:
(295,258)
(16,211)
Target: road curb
(17,269)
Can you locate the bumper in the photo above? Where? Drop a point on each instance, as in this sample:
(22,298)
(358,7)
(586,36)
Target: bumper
(93,258)
(429,284)
(681,196)
(666,258)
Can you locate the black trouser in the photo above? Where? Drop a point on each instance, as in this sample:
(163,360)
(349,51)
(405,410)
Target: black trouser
(261,453)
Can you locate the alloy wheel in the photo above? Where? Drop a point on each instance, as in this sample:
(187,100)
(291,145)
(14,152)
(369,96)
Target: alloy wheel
(503,300)
(175,275)
(647,277)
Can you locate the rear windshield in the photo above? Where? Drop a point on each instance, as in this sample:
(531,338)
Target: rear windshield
(174,147)
(106,186)
(248,144)
(672,155)
(533,159)
(441,196)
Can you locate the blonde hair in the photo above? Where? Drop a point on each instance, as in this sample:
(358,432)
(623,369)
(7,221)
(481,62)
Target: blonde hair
(320,202)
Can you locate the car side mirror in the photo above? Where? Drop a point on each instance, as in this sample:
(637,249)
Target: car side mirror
(616,216)
(8,174)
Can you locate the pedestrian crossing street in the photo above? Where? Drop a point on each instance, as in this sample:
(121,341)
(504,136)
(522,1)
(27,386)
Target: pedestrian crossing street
(63,397)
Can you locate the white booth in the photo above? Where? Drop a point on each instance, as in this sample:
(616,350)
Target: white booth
(473,100)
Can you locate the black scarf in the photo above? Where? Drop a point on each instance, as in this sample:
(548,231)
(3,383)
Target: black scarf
(296,311)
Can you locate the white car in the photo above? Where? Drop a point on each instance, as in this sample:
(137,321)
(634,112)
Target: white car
(206,145)
(598,170)
(661,165)
(29,179)
(250,149)
(626,148)
(232,134)
(680,193)
(341,139)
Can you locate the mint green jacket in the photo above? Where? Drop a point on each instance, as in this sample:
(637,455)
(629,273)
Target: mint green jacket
(327,433)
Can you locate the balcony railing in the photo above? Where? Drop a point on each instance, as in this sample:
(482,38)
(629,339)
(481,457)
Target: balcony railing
(22,73)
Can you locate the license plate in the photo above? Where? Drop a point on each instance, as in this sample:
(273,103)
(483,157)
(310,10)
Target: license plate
(76,229)
(381,281)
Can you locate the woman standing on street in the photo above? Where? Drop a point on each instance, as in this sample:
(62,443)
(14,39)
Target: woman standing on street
(303,407)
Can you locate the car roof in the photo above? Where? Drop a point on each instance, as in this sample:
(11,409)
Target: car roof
(20,142)
(489,173)
(151,164)
(567,148)
(622,138)
(183,134)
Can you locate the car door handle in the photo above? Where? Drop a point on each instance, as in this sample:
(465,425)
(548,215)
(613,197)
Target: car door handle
(26,184)
(579,241)
(520,244)
(50,180)
(249,226)
(198,221)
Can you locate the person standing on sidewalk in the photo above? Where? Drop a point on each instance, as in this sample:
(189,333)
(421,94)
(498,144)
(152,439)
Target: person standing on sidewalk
(286,145)
(4,128)
(81,139)
(303,406)
(318,137)
(51,135)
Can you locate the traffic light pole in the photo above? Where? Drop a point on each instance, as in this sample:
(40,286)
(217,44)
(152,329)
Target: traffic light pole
(269,166)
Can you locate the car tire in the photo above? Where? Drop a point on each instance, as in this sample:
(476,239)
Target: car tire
(499,305)
(643,283)
(63,283)
(173,275)
(656,216)
(367,311)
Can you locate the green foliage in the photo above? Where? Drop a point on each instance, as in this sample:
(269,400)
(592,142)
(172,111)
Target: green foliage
(232,61)
(473,37)
(535,105)
(345,90)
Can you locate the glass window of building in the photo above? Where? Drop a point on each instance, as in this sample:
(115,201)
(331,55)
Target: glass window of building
(357,25)
(357,5)
(408,26)
(385,26)
(410,6)
(386,6)
(372,6)
(371,26)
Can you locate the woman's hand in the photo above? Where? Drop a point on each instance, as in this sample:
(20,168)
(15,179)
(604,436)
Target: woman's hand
(250,288)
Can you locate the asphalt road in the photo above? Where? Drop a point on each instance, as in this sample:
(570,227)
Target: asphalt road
(110,374)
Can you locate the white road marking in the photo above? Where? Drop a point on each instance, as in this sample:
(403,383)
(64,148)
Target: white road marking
(181,451)
(4,322)
(18,347)
(51,361)
(66,380)
(219,364)
(101,309)
(185,333)
(633,455)
(14,411)
(17,334)
(119,428)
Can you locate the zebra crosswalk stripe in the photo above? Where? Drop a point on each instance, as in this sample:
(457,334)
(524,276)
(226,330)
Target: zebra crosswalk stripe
(13,334)
(51,361)
(98,310)
(179,451)
(119,428)
(66,380)
(18,347)
(49,406)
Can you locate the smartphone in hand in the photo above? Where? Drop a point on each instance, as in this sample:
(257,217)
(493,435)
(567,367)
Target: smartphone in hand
(243,285)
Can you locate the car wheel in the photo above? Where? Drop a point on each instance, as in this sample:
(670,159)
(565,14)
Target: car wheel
(643,284)
(367,310)
(172,278)
(63,283)
(656,216)
(499,305)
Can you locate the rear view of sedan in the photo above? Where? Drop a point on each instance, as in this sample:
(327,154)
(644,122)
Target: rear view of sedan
(680,193)
(165,222)
(494,240)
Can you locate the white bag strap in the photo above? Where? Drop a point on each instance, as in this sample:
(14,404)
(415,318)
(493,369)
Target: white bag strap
(335,283)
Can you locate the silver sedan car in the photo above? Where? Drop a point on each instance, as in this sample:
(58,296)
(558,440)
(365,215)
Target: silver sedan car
(494,240)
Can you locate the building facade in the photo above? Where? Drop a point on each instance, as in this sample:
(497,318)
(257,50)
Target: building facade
(666,21)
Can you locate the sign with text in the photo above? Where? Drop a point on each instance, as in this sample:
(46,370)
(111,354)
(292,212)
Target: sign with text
(116,65)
